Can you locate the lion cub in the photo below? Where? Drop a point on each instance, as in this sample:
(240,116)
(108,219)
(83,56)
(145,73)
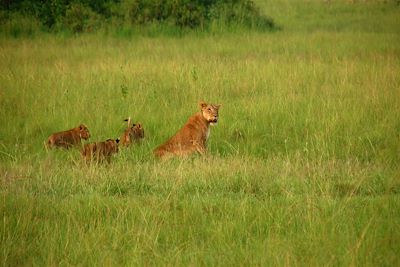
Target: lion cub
(69,138)
(100,151)
(132,134)
(193,135)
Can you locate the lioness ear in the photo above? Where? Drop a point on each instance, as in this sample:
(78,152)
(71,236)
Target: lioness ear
(218,106)
(117,140)
(202,104)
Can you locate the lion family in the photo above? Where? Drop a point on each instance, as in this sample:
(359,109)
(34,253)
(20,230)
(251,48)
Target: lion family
(191,138)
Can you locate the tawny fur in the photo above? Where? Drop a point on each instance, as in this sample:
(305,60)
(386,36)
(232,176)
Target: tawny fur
(192,137)
(69,138)
(133,134)
(100,151)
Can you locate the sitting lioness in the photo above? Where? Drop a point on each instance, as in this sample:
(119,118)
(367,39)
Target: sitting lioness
(193,135)
(132,134)
(69,138)
(100,151)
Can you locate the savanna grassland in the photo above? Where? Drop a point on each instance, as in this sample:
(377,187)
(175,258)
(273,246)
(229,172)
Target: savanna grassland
(302,168)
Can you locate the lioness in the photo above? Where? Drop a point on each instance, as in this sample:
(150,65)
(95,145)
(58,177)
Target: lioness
(69,138)
(132,134)
(100,151)
(193,135)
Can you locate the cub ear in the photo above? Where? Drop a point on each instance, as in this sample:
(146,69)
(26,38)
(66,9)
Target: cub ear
(129,121)
(202,104)
(117,140)
(139,125)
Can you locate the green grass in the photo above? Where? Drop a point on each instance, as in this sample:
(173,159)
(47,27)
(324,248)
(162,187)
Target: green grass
(302,169)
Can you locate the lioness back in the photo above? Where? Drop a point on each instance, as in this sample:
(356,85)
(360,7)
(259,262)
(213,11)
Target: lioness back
(69,138)
(192,137)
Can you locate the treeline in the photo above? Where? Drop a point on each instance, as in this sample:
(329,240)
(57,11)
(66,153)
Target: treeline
(91,15)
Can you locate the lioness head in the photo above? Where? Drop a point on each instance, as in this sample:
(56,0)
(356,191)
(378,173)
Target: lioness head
(210,112)
(84,132)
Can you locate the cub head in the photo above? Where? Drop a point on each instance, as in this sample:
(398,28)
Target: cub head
(136,132)
(84,131)
(210,112)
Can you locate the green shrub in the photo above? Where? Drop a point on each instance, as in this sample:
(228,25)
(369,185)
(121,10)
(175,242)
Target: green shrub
(192,14)
(146,11)
(46,11)
(87,15)
(182,13)
(241,12)
(17,25)
(80,18)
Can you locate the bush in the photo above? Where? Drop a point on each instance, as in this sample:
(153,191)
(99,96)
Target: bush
(80,18)
(239,12)
(192,13)
(186,13)
(87,15)
(17,25)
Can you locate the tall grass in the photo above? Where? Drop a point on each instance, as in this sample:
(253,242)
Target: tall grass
(302,167)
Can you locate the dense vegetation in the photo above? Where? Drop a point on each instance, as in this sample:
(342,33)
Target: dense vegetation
(89,16)
(302,167)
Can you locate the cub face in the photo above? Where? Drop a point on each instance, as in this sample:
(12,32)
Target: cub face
(84,132)
(133,134)
(210,112)
(136,132)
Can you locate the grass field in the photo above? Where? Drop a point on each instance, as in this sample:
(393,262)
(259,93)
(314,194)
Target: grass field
(302,168)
